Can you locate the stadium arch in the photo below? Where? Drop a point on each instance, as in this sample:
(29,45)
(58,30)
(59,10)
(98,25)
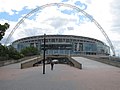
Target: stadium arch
(66,5)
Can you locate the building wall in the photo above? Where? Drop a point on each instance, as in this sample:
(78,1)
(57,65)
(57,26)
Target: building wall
(64,45)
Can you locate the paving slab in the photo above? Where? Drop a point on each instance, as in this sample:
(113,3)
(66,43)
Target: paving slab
(63,77)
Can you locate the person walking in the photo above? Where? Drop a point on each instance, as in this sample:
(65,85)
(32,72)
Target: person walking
(52,64)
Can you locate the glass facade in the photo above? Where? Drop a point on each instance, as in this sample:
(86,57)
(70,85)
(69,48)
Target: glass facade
(64,45)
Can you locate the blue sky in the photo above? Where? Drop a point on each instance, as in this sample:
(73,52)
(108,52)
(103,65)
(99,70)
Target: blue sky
(15,16)
(62,20)
(18,14)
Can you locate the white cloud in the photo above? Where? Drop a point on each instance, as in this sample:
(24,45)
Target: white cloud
(51,21)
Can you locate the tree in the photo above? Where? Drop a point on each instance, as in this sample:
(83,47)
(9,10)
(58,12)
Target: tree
(29,51)
(3,28)
(13,53)
(3,52)
(10,52)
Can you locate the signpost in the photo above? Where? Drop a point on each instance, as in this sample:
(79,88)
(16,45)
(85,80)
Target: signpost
(44,55)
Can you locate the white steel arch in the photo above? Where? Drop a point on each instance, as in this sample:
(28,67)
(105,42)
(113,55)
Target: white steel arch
(66,5)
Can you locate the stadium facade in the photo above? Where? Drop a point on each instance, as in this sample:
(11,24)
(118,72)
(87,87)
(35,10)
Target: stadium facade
(64,45)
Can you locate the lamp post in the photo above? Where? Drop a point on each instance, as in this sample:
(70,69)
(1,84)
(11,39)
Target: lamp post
(44,55)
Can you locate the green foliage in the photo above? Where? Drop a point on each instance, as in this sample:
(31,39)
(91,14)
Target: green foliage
(29,51)
(4,52)
(3,28)
(9,53)
(13,53)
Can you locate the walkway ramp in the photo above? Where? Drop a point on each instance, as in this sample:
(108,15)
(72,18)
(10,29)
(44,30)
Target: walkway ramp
(91,64)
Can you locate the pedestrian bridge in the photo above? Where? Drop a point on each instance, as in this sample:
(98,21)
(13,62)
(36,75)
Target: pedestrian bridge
(82,62)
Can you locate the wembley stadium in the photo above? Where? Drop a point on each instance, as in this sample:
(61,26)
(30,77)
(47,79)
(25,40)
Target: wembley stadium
(64,45)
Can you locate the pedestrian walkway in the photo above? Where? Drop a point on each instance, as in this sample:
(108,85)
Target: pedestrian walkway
(93,76)
(91,64)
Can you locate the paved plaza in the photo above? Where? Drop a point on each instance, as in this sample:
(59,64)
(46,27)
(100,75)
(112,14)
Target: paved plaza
(93,76)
